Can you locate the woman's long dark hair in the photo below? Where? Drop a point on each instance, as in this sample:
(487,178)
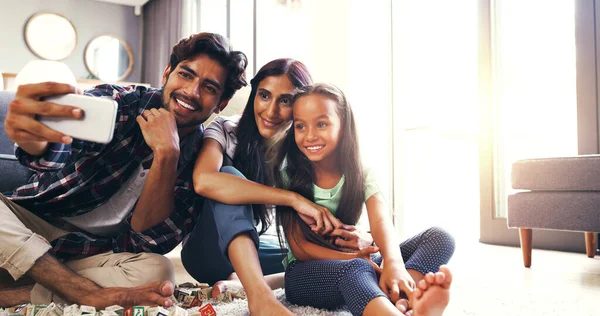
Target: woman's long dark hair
(300,173)
(249,157)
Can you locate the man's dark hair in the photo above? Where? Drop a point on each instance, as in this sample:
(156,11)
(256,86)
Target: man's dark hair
(218,48)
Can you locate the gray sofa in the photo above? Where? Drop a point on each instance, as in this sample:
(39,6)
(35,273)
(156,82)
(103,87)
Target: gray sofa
(560,194)
(12,174)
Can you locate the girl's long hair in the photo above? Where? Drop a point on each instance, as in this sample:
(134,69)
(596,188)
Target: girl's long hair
(249,156)
(300,172)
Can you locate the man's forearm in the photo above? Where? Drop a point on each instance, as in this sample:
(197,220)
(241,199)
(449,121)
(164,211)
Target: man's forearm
(156,201)
(61,280)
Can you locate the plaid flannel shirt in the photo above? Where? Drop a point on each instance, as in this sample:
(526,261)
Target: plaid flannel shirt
(74,179)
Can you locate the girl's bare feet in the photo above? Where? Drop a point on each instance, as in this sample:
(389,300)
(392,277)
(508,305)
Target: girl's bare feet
(156,293)
(432,294)
(403,306)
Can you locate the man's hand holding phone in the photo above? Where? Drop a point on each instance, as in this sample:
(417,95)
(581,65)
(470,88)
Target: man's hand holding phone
(57,113)
(21,125)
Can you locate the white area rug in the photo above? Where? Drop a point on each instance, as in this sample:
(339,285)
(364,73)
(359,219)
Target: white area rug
(482,299)
(240,308)
(491,281)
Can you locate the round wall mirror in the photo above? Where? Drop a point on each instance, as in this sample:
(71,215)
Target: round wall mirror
(108,58)
(50,36)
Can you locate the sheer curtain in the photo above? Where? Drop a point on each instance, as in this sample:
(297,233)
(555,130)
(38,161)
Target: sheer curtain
(436,113)
(163,28)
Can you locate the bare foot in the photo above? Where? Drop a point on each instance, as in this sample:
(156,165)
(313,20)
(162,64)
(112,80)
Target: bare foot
(267,305)
(403,306)
(264,303)
(156,293)
(226,285)
(15,296)
(259,304)
(232,284)
(432,294)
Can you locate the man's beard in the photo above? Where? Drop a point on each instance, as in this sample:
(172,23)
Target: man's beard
(166,104)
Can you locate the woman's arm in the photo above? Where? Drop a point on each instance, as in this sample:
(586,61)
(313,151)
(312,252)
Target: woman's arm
(229,189)
(382,229)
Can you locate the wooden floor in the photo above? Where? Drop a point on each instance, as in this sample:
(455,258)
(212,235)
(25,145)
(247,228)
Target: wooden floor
(491,280)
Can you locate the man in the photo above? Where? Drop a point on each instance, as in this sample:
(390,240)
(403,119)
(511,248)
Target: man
(109,211)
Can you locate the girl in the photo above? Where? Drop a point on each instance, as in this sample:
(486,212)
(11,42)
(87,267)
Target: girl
(323,164)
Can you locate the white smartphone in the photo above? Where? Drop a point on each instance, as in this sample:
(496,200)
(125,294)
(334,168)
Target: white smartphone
(96,125)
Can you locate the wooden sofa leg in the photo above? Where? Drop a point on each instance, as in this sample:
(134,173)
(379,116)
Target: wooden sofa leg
(525,236)
(590,244)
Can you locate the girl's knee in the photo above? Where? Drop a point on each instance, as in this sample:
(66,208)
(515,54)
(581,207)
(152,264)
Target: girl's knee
(442,236)
(354,266)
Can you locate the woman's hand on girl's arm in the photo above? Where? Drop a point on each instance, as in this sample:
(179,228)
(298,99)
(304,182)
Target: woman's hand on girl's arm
(305,250)
(319,218)
(395,279)
(229,189)
(351,238)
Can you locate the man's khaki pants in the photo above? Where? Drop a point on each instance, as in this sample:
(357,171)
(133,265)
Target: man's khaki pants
(24,237)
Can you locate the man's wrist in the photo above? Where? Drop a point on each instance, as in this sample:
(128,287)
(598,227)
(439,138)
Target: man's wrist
(166,156)
(34,148)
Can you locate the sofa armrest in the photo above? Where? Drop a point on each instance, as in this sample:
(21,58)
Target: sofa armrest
(12,173)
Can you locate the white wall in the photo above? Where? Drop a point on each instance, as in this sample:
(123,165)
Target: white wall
(91,18)
(346,43)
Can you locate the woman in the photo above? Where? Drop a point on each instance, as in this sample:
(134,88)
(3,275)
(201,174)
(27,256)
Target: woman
(232,172)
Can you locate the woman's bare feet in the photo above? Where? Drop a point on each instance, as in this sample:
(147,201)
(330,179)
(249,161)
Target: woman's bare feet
(432,294)
(156,293)
(258,304)
(267,305)
(233,285)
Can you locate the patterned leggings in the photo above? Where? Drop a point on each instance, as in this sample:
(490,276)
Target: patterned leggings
(331,284)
